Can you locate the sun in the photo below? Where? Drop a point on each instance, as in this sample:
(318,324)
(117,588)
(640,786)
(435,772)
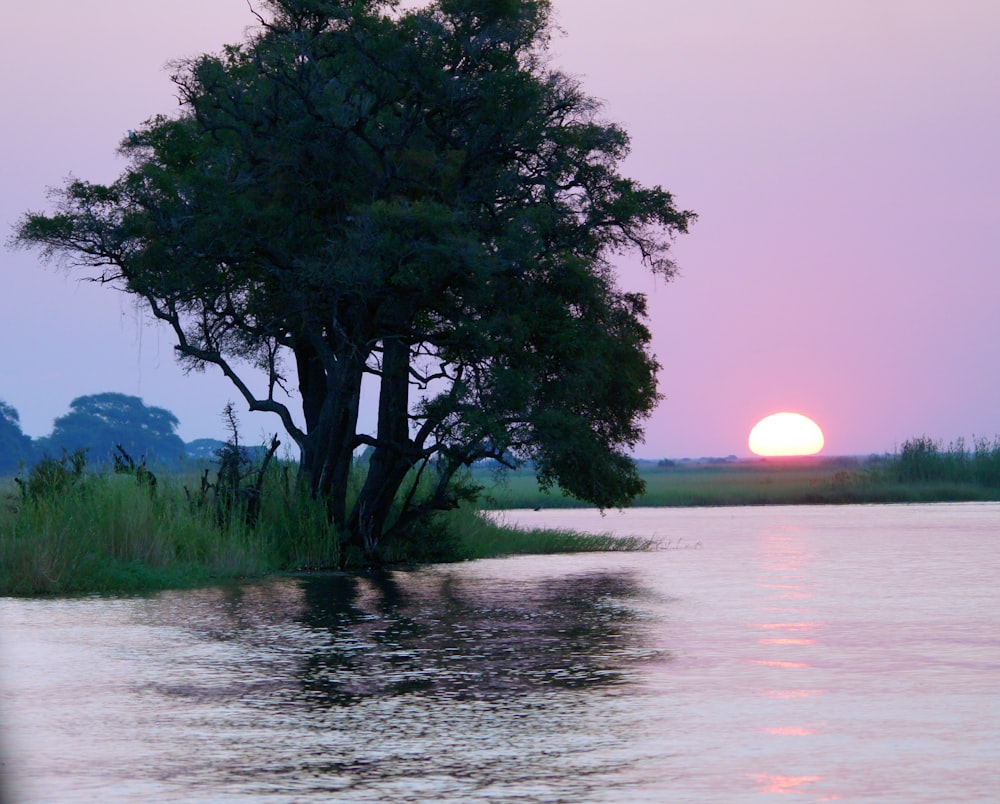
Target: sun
(785,434)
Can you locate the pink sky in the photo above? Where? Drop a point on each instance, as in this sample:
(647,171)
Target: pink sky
(842,157)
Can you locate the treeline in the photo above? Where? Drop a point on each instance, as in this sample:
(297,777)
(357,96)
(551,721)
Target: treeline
(97,424)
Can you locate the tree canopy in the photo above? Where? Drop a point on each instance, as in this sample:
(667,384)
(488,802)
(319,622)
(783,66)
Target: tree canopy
(98,423)
(15,447)
(416,197)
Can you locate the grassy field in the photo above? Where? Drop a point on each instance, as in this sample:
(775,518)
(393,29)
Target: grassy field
(772,481)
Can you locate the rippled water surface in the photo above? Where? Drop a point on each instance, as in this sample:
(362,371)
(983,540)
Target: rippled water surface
(800,653)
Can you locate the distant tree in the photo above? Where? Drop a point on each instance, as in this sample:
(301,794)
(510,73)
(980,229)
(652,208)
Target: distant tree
(204,449)
(99,422)
(414,196)
(15,447)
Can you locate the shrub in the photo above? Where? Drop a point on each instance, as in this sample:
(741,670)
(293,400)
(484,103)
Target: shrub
(51,477)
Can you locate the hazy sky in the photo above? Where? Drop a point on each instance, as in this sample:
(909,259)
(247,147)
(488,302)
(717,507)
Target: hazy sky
(842,156)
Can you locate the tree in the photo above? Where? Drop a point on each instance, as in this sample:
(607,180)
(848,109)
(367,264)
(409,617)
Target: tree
(15,447)
(100,422)
(411,196)
(203,449)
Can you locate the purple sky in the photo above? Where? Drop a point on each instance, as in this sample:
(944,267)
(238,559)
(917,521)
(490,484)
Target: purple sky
(842,157)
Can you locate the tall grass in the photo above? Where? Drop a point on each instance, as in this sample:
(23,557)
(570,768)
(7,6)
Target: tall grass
(924,460)
(106,533)
(70,532)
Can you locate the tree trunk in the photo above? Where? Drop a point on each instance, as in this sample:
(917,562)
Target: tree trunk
(312,384)
(392,457)
(330,403)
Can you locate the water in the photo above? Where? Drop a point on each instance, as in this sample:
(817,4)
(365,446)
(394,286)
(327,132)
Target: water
(792,654)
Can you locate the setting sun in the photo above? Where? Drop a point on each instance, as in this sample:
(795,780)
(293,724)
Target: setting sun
(785,434)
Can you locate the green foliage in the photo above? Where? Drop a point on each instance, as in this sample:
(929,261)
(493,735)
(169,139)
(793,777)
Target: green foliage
(409,196)
(73,531)
(986,462)
(15,447)
(124,464)
(239,480)
(477,535)
(105,533)
(51,477)
(100,423)
(919,459)
(108,534)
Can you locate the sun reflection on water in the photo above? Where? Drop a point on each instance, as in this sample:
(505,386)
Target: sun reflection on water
(786,641)
(786,694)
(789,731)
(788,636)
(783,784)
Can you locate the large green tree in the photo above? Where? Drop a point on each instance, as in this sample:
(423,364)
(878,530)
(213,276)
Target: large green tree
(413,196)
(99,423)
(15,447)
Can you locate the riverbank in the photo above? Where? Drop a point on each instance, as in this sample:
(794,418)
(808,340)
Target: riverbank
(83,533)
(107,533)
(762,481)
(804,636)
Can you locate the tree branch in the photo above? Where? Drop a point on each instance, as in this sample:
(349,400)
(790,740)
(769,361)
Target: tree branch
(186,348)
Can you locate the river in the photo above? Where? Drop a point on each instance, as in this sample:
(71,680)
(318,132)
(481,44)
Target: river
(777,653)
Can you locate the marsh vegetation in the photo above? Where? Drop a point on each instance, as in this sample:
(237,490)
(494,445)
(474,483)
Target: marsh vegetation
(921,470)
(67,530)
(64,530)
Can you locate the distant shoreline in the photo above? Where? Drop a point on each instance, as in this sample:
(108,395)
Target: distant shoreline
(808,480)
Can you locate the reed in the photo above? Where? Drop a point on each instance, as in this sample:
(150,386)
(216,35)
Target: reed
(924,460)
(78,533)
(106,533)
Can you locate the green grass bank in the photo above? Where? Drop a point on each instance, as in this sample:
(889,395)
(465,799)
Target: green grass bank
(920,471)
(68,531)
(108,533)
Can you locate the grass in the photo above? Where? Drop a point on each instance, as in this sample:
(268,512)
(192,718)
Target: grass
(105,533)
(73,532)
(769,482)
(66,531)
(479,536)
(926,473)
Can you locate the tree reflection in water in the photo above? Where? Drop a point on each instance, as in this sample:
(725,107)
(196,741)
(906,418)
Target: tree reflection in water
(444,684)
(537,678)
(487,681)
(456,638)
